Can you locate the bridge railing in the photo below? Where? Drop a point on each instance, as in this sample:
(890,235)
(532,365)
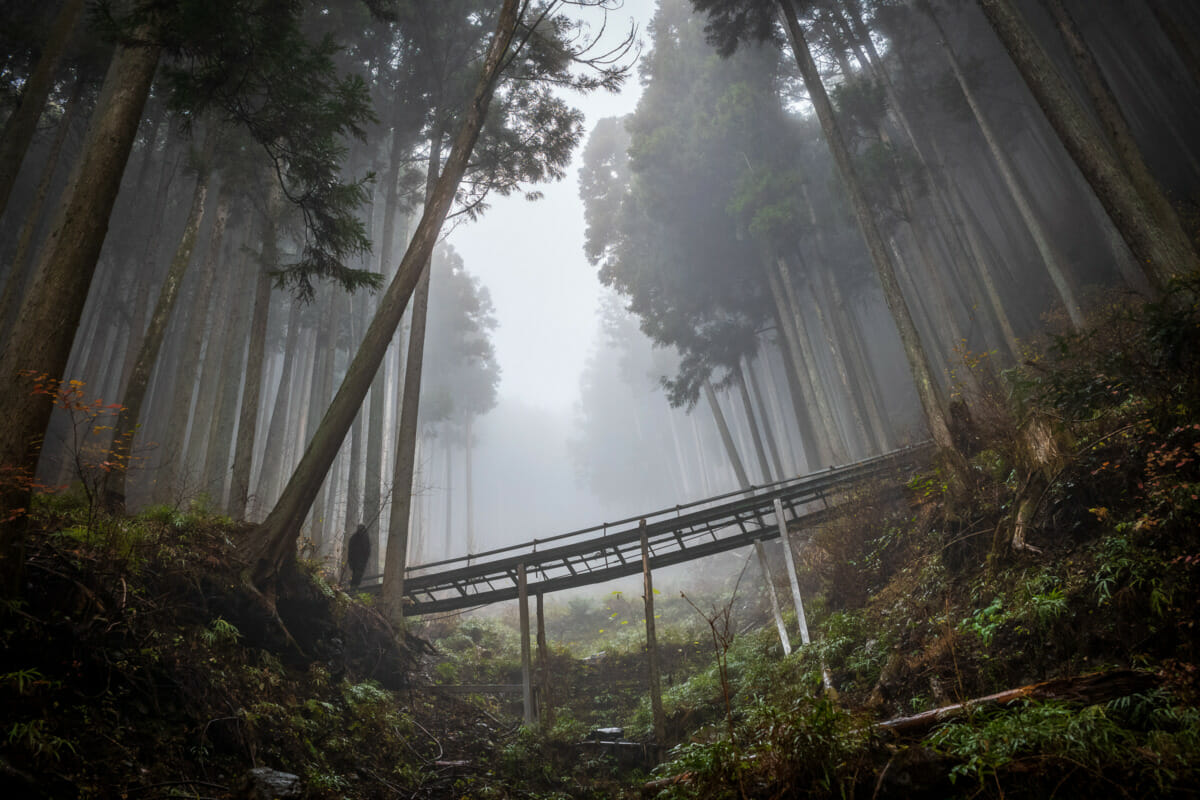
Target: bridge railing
(671,519)
(602,552)
(826,478)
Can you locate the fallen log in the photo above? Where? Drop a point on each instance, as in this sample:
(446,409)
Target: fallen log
(1099,687)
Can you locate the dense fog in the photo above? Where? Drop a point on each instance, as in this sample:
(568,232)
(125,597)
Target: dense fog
(725,268)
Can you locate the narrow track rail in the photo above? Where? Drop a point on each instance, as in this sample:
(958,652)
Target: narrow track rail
(675,535)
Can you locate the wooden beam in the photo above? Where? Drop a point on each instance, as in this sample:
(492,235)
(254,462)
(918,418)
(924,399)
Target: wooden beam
(526,666)
(760,551)
(545,713)
(791,568)
(656,705)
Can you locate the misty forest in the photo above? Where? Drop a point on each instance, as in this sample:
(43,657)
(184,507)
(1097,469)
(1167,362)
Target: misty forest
(599,399)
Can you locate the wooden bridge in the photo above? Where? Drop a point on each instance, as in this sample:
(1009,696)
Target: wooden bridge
(674,535)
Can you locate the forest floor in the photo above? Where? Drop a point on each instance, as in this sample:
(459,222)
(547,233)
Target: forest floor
(135,664)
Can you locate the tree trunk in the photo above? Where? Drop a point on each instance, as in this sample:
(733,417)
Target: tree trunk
(763,416)
(174,439)
(735,460)
(273,445)
(836,356)
(210,368)
(1050,254)
(232,377)
(45,330)
(124,431)
(406,431)
(755,434)
(243,456)
(21,126)
(18,274)
(1161,250)
(1099,687)
(1185,45)
(372,495)
(918,360)
(1116,127)
(274,542)
(816,448)
(468,448)
(830,432)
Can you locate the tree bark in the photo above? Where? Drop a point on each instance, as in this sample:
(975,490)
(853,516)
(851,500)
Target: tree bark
(1099,687)
(1161,250)
(21,126)
(1185,46)
(243,456)
(1050,254)
(124,431)
(735,460)
(18,274)
(42,338)
(406,432)
(816,448)
(1116,127)
(763,416)
(830,432)
(232,377)
(190,360)
(918,359)
(272,459)
(755,434)
(274,542)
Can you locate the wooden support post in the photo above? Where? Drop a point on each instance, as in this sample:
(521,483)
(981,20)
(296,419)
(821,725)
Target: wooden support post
(660,717)
(791,568)
(544,712)
(783,634)
(526,666)
(826,677)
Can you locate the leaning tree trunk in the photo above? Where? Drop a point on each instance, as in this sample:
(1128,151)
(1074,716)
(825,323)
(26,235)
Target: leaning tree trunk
(18,274)
(918,359)
(1186,47)
(139,380)
(755,434)
(1163,252)
(1116,127)
(21,126)
(45,330)
(1050,255)
(396,554)
(273,543)
(735,460)
(814,447)
(372,495)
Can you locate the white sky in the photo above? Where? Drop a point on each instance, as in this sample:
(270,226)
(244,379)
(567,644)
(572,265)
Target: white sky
(530,257)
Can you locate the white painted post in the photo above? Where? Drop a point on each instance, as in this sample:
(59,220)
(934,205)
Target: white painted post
(783,634)
(791,568)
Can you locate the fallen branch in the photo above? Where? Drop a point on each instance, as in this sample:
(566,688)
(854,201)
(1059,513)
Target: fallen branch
(1099,687)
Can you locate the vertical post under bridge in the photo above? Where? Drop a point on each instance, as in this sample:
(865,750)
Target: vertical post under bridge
(656,705)
(526,659)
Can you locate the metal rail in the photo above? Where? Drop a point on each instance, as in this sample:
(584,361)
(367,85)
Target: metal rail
(675,535)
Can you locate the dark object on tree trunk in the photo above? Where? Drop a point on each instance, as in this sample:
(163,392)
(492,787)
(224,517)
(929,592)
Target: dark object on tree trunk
(1099,687)
(358,552)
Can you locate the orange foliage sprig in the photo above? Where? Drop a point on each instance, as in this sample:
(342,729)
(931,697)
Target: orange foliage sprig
(89,418)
